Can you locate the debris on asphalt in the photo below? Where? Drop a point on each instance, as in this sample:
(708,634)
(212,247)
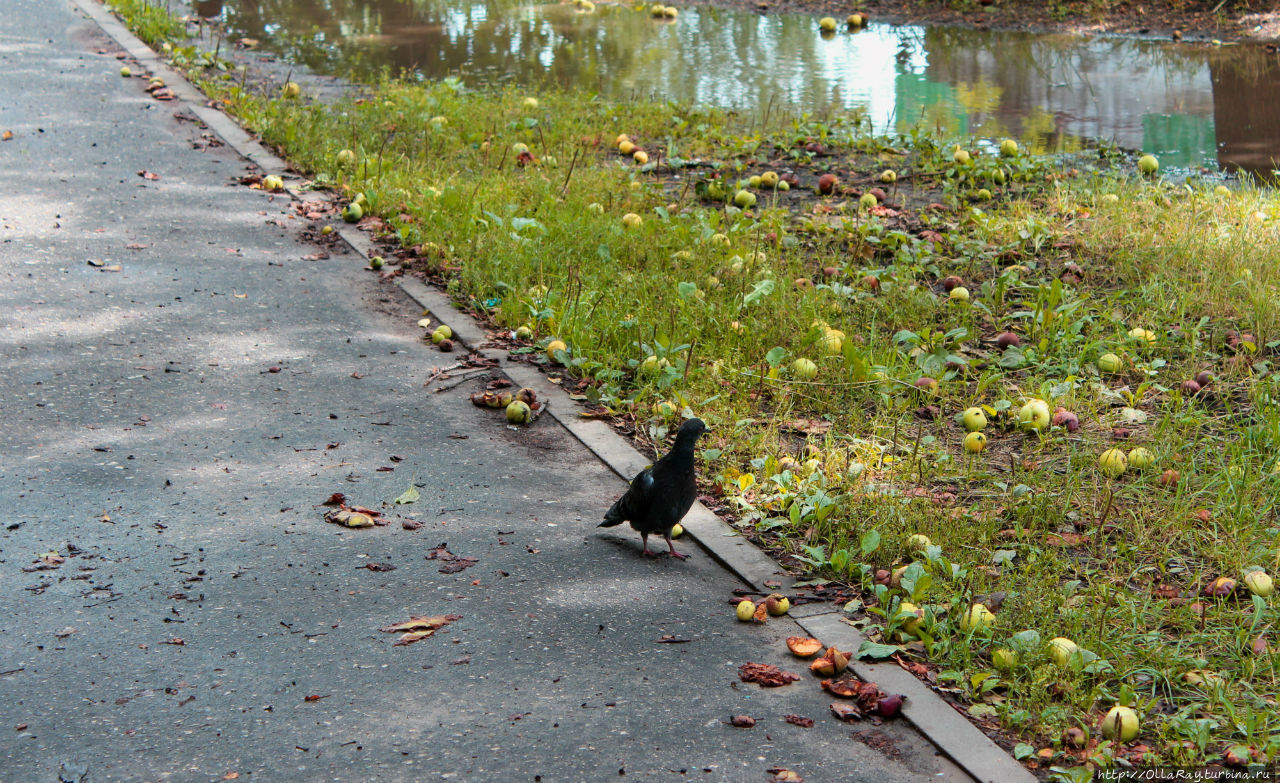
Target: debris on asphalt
(419,627)
(766,675)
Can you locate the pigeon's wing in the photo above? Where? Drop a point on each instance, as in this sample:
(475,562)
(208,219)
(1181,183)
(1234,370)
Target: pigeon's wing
(635,503)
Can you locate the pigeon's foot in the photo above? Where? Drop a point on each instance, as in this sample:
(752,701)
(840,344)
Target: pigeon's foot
(672,547)
(647,553)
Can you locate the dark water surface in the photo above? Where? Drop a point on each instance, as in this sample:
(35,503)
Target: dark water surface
(1191,105)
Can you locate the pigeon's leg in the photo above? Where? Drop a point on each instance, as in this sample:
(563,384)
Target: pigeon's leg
(674,553)
(644,539)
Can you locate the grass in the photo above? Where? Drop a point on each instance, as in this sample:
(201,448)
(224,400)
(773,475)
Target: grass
(516,203)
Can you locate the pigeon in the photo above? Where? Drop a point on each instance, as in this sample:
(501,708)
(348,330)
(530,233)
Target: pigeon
(662,493)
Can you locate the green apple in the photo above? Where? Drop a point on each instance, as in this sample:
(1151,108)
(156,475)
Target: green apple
(1113,462)
(518,412)
(352,212)
(867,201)
(291,90)
(1034,415)
(911,616)
(125,72)
(888,176)
(524,333)
(769,179)
(1141,459)
(827,24)
(961,156)
(1004,659)
(854,20)
(632,220)
(975,442)
(1143,335)
(1259,583)
(530,103)
(272,182)
(804,369)
(441,333)
(978,619)
(1061,649)
(640,157)
(1121,723)
(345,158)
(1222,190)
(982,194)
(974,419)
(1148,164)
(377,262)
(959,294)
(1109,363)
(744,199)
(1008,148)
(553,346)
(918,542)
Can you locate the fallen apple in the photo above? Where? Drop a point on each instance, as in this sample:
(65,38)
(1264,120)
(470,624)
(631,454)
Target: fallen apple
(854,20)
(272,182)
(677,530)
(746,610)
(1008,148)
(961,156)
(553,347)
(1034,415)
(291,90)
(769,179)
(1061,649)
(888,176)
(345,158)
(518,412)
(626,147)
(951,282)
(978,619)
(1259,583)
(352,212)
(1003,658)
(974,419)
(1148,164)
(777,605)
(1169,478)
(1121,723)
(803,646)
(442,332)
(959,294)
(982,194)
(804,369)
(1008,340)
(125,72)
(1113,462)
(1143,335)
(827,24)
(530,103)
(911,616)
(744,199)
(975,442)
(1109,363)
(827,184)
(927,385)
(632,220)
(1141,459)
(377,262)
(524,333)
(640,157)
(918,542)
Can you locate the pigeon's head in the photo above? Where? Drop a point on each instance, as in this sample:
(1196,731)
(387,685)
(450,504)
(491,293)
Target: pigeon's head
(691,429)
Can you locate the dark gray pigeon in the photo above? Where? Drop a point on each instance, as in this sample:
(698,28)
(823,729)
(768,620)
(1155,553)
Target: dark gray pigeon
(662,493)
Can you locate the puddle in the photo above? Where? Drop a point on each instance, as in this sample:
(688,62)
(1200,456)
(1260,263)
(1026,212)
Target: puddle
(1192,106)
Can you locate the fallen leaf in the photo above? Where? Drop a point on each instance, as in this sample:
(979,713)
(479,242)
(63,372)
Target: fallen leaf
(148,175)
(65,632)
(412,637)
(6,136)
(379,566)
(742,721)
(799,720)
(410,524)
(783,775)
(410,495)
(766,675)
(336,499)
(316,698)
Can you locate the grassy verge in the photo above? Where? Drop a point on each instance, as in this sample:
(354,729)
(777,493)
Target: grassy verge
(824,338)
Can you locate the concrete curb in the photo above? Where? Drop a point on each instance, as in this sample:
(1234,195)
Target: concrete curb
(954,735)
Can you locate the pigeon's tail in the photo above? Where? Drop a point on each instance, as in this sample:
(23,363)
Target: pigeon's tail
(612,517)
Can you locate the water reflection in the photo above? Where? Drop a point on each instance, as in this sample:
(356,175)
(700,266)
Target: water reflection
(1191,106)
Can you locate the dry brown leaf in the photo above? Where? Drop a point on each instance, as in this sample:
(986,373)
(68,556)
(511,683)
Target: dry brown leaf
(766,675)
